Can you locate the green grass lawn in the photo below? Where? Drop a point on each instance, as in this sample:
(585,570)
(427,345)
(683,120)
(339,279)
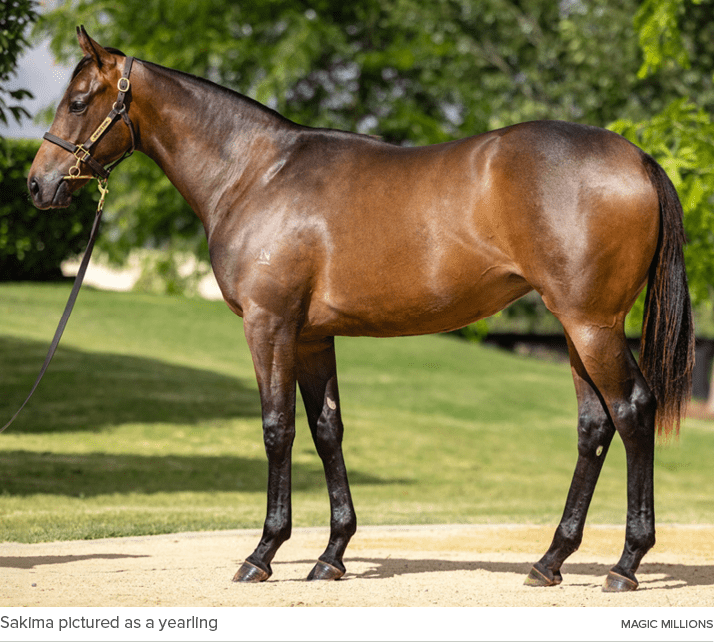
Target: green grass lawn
(148,421)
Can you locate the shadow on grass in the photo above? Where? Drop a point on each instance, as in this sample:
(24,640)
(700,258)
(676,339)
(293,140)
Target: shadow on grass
(24,473)
(86,391)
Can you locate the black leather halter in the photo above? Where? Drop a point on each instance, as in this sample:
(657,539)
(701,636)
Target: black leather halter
(81,152)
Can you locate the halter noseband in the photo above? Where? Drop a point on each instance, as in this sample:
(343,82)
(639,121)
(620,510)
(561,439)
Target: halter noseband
(81,152)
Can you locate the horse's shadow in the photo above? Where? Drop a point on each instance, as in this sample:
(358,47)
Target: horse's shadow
(675,575)
(29,562)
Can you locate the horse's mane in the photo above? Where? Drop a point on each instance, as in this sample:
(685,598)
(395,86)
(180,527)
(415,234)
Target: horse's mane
(215,88)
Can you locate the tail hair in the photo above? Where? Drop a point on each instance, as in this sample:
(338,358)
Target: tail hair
(668,341)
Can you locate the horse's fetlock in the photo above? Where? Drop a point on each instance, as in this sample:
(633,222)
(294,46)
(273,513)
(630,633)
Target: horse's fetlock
(569,539)
(643,541)
(277,531)
(344,523)
(572,543)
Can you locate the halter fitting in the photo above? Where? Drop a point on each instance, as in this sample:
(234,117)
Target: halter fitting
(81,151)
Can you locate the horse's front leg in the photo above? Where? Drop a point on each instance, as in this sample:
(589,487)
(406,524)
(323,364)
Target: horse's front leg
(317,377)
(272,344)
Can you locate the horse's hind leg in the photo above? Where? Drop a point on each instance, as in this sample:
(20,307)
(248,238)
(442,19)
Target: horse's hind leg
(595,431)
(606,364)
(317,377)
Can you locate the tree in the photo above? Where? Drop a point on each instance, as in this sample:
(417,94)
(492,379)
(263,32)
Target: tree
(15,17)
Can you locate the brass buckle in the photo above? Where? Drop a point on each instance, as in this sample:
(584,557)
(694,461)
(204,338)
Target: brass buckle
(124,84)
(81,154)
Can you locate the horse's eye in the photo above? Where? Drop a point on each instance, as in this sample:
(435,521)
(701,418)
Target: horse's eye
(77,107)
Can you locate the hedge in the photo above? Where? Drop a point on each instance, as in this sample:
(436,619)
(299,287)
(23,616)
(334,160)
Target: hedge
(33,243)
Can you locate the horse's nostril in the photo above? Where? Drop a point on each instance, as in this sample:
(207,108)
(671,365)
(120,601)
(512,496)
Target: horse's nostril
(34,187)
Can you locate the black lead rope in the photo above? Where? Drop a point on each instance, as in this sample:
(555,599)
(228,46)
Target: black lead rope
(70,302)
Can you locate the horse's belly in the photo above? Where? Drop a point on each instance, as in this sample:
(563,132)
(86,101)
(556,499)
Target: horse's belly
(411,305)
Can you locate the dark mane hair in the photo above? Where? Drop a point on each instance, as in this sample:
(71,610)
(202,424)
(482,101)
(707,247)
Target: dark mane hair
(85,61)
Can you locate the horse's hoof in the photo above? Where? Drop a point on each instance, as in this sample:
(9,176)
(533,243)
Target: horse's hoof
(541,576)
(249,572)
(618,583)
(324,572)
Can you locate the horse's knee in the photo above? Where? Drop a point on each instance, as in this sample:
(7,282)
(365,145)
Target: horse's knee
(278,435)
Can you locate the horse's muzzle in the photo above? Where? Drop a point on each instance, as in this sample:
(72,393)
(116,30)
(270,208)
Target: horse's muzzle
(52,193)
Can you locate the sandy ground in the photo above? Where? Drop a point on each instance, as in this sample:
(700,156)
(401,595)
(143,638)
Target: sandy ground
(392,566)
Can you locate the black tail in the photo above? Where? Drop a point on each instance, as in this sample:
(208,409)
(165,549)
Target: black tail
(667,349)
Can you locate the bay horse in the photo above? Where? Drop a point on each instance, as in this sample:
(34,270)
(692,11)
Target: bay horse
(317,233)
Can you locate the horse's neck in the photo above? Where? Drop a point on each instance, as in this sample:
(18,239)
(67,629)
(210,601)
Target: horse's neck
(207,140)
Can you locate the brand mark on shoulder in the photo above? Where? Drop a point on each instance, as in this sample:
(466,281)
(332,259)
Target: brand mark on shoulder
(264,257)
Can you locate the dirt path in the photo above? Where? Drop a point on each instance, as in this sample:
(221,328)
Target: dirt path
(410,566)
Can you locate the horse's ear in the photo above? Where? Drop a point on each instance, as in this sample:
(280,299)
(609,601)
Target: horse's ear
(92,48)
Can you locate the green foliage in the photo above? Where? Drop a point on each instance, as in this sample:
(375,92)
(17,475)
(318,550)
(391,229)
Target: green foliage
(15,17)
(526,315)
(660,37)
(33,243)
(169,272)
(403,69)
(145,211)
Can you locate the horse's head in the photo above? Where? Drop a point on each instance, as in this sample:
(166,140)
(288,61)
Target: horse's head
(87,104)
